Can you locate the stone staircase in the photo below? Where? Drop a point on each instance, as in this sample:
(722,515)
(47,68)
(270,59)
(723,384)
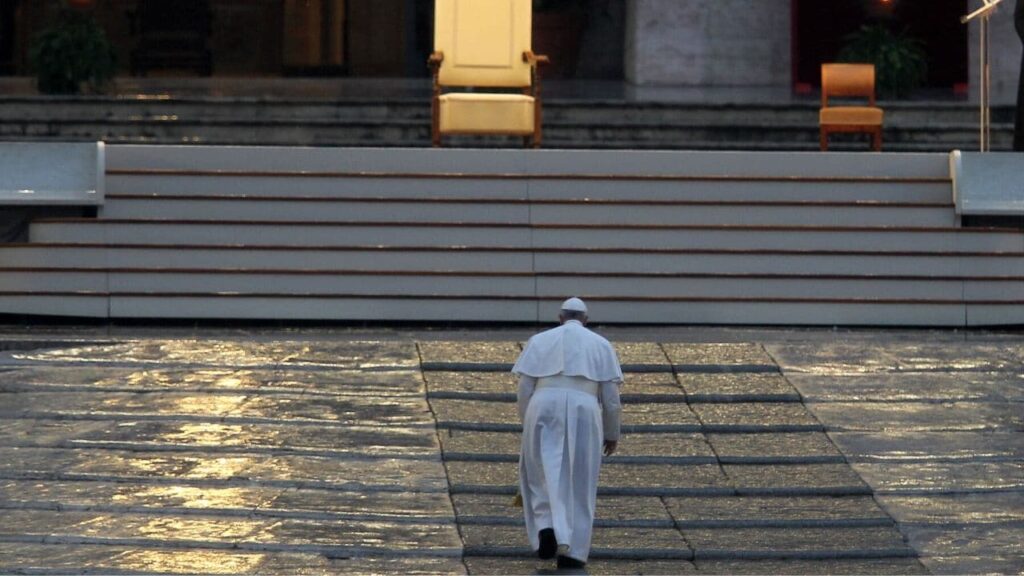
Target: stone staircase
(722,469)
(250,233)
(404,121)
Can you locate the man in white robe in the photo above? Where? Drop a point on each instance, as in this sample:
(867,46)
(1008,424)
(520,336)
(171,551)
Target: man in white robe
(569,404)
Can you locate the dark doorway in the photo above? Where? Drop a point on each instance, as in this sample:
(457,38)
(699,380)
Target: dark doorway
(820,27)
(7,29)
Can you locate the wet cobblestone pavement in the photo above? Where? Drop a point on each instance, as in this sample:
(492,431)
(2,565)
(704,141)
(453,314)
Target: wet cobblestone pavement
(311,452)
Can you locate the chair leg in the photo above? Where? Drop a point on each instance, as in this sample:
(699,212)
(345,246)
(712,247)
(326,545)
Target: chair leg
(824,140)
(876,140)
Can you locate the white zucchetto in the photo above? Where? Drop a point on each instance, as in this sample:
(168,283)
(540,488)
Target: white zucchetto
(574,305)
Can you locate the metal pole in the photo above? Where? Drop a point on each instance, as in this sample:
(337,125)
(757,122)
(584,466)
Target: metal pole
(986,87)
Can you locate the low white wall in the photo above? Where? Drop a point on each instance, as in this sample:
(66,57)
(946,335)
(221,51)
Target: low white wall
(52,173)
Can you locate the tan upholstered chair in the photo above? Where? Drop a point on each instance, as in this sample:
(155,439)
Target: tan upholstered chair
(846,81)
(485,44)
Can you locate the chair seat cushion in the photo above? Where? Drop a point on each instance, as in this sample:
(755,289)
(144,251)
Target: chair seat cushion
(851,115)
(472,113)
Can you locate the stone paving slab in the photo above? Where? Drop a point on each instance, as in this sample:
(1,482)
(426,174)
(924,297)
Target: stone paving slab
(639,384)
(837,358)
(598,567)
(237,407)
(352,354)
(894,446)
(498,508)
(935,477)
(919,416)
(753,510)
(813,477)
(332,537)
(507,445)
(716,353)
(992,540)
(248,381)
(477,411)
(482,539)
(471,382)
(54,495)
(759,414)
(214,437)
(786,445)
(956,564)
(889,566)
(736,542)
(385,474)
(911,387)
(93,559)
(474,411)
(238,500)
(956,509)
(503,386)
(730,387)
(646,353)
(468,352)
(615,478)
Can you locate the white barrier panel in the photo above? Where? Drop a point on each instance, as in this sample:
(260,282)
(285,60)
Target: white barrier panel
(52,174)
(989,184)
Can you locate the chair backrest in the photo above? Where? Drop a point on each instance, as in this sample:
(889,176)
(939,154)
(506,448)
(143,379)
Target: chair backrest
(483,42)
(845,80)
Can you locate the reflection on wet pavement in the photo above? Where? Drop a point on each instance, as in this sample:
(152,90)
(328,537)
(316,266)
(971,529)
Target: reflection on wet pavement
(934,428)
(229,456)
(211,456)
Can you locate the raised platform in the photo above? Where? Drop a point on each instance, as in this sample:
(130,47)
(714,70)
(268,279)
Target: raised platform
(427,235)
(396,113)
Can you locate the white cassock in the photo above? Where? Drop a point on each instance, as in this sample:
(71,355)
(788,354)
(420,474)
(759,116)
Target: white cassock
(569,404)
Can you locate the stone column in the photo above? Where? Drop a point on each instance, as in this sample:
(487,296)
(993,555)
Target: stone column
(709,42)
(1005,55)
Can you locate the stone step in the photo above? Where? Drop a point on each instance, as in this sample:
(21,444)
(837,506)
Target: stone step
(910,126)
(520,165)
(369,134)
(504,285)
(768,213)
(556,110)
(511,259)
(714,187)
(485,235)
(432,309)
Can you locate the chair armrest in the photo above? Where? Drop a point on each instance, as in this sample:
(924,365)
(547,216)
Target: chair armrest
(435,60)
(535,59)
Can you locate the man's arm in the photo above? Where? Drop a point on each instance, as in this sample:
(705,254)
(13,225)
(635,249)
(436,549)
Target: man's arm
(611,416)
(526,387)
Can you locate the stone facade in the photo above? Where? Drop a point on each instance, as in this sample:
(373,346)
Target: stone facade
(708,42)
(1005,56)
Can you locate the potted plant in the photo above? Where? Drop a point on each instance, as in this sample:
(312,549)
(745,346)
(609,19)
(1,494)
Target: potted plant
(901,64)
(557,32)
(71,53)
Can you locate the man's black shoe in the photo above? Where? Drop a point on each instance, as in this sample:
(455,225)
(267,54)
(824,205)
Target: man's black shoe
(548,544)
(567,562)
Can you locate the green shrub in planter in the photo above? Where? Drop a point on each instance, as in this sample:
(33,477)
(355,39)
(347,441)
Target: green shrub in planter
(901,64)
(72,52)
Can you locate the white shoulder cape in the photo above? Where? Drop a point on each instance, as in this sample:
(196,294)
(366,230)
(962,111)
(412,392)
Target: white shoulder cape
(572,350)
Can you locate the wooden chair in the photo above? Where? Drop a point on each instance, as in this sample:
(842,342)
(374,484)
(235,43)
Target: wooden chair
(485,45)
(846,81)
